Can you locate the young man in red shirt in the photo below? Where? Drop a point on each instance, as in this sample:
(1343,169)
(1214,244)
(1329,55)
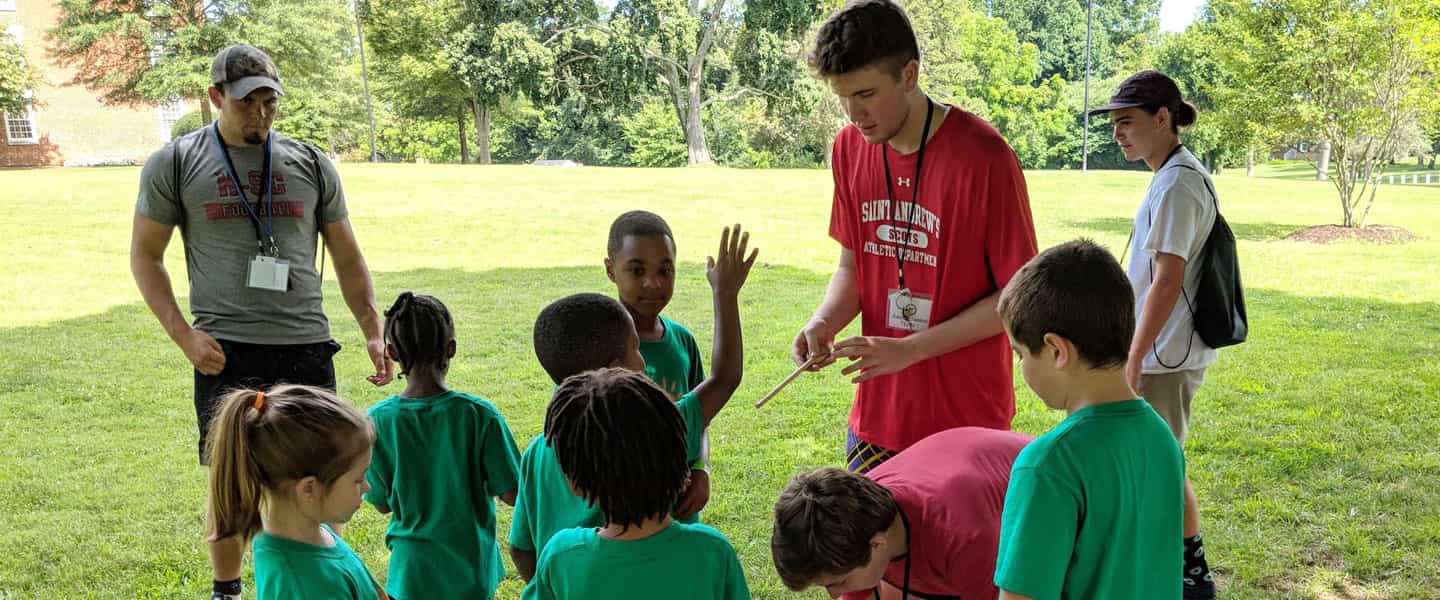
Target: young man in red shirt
(931,212)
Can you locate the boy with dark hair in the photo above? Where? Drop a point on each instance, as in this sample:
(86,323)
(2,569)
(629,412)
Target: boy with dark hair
(924,524)
(924,253)
(1094,506)
(641,552)
(585,332)
(640,260)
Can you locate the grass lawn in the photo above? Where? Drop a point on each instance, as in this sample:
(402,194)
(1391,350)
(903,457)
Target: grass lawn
(1312,448)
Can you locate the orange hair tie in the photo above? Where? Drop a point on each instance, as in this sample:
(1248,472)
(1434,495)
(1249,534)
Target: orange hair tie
(259,400)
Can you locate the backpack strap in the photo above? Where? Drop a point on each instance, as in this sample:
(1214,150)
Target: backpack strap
(319,175)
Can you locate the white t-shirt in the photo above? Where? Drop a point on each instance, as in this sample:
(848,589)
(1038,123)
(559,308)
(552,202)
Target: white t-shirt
(1175,218)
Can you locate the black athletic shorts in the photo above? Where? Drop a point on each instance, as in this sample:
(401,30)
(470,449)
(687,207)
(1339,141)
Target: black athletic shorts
(260,366)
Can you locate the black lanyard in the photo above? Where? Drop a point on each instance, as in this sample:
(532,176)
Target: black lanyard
(904,591)
(263,231)
(915,193)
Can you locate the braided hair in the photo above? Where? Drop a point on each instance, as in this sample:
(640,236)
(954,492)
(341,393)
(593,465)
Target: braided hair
(621,442)
(420,329)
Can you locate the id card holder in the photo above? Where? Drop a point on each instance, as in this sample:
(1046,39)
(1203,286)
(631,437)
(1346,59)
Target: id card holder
(908,311)
(269,273)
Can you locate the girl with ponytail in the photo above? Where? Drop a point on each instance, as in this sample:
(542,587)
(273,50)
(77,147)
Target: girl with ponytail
(1168,359)
(287,467)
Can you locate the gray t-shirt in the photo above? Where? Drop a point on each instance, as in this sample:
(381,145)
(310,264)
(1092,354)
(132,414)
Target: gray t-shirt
(219,235)
(1175,218)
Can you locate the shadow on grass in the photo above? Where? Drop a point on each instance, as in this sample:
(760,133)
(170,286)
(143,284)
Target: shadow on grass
(1317,433)
(1250,232)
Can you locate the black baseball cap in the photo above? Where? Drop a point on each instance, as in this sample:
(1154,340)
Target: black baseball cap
(242,69)
(1146,88)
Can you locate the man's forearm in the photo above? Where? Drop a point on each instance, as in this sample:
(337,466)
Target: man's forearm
(1159,303)
(977,322)
(842,299)
(359,294)
(154,283)
(728,353)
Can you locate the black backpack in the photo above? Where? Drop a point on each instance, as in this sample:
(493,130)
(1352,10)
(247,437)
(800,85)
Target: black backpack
(1219,304)
(1218,308)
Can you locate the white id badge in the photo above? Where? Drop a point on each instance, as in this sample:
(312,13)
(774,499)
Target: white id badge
(908,311)
(269,273)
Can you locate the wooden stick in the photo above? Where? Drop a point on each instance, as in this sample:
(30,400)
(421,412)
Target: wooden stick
(794,374)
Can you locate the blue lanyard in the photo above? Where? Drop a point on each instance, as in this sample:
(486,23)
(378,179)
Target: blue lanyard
(263,231)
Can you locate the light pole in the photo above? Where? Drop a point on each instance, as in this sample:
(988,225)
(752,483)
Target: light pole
(1085,158)
(365,78)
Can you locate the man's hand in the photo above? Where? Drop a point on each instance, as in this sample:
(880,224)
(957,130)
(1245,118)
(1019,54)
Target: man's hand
(1133,368)
(729,268)
(384,368)
(873,356)
(696,496)
(203,352)
(816,342)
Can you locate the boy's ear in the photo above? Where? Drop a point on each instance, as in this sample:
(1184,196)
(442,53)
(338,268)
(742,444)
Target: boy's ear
(450,349)
(610,269)
(1063,349)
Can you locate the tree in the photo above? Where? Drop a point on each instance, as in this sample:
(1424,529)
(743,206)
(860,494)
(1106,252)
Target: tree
(1122,29)
(1226,131)
(1352,73)
(17,78)
(141,52)
(676,38)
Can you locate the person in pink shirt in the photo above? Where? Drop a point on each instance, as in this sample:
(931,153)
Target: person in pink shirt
(925,524)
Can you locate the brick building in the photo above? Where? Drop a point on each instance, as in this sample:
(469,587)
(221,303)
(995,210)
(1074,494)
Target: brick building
(68,124)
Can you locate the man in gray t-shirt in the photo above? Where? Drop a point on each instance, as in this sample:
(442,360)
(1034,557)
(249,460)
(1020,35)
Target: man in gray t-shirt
(250,254)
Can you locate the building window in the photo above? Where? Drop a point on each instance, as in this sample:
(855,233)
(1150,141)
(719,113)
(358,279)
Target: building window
(170,112)
(7,5)
(20,128)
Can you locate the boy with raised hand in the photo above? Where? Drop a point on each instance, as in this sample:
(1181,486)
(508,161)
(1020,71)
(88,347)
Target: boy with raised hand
(640,260)
(1094,506)
(585,332)
(621,442)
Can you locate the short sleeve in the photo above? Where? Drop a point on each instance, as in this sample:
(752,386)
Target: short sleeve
(842,227)
(379,474)
(334,194)
(691,413)
(735,586)
(159,199)
(539,587)
(1180,217)
(697,362)
(1010,229)
(522,522)
(500,459)
(1037,535)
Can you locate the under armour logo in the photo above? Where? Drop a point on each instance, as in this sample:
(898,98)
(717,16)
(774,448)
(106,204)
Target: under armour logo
(902,181)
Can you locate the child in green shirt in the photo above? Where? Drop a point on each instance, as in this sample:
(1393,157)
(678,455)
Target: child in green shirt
(302,452)
(640,260)
(620,443)
(1093,508)
(584,332)
(441,457)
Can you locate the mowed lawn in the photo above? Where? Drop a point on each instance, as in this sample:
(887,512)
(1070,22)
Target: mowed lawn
(1313,448)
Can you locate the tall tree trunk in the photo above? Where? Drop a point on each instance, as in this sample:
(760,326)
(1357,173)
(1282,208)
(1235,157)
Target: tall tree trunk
(464,135)
(1250,162)
(1322,170)
(699,151)
(482,130)
(205,110)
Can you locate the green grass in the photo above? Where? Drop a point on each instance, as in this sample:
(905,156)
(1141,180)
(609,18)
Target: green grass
(1312,448)
(1302,170)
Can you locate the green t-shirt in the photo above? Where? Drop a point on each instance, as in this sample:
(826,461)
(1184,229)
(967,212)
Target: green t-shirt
(673,362)
(545,504)
(1094,509)
(438,463)
(286,569)
(693,562)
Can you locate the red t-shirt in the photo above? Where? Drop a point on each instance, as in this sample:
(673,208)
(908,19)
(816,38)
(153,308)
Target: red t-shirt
(971,232)
(951,487)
